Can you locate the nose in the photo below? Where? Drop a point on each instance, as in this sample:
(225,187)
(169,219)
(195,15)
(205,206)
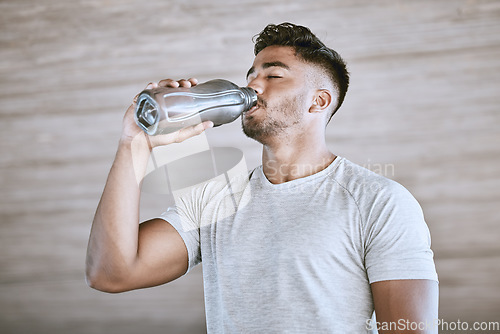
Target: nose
(256,85)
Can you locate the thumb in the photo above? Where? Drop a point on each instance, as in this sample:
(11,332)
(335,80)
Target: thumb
(180,135)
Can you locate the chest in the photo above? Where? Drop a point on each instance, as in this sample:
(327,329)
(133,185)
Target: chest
(304,227)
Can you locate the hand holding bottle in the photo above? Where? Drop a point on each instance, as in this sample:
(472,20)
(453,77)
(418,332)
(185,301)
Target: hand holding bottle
(132,132)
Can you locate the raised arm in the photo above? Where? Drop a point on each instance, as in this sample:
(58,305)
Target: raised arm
(123,255)
(406,306)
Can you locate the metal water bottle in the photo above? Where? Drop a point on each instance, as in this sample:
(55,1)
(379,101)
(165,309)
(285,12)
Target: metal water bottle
(163,110)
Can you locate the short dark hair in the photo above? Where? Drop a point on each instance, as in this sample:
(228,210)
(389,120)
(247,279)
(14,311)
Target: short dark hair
(309,48)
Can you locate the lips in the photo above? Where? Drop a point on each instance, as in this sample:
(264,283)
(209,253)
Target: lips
(252,110)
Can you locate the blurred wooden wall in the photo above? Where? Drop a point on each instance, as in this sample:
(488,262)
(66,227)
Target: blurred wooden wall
(422,109)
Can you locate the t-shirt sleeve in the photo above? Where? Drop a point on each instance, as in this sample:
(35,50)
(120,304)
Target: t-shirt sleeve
(199,206)
(185,217)
(397,239)
(189,234)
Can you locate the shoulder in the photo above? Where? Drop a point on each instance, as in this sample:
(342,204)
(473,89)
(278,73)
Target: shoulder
(207,199)
(223,185)
(370,190)
(353,176)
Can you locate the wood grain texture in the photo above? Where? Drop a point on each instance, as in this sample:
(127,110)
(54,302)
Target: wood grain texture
(422,109)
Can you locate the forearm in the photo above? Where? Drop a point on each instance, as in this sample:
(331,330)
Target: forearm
(112,248)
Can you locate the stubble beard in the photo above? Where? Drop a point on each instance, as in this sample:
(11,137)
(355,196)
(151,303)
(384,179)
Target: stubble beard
(271,126)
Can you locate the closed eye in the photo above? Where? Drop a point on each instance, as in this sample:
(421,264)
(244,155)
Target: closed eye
(273,76)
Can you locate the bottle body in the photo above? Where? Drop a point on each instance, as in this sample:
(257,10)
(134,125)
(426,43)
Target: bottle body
(163,110)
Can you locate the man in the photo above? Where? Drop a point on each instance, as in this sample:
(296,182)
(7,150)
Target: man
(306,243)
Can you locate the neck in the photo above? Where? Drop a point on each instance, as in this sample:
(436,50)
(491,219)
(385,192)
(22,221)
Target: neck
(289,159)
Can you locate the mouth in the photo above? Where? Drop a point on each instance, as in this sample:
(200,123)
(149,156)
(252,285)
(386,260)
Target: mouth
(251,111)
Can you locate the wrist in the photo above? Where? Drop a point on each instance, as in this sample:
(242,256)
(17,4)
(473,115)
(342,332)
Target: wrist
(134,152)
(138,142)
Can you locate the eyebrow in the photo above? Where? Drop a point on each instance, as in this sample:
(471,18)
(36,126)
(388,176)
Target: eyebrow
(267,65)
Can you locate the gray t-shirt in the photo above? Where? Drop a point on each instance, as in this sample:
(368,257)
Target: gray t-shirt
(299,257)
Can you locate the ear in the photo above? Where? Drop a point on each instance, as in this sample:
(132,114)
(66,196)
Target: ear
(322,99)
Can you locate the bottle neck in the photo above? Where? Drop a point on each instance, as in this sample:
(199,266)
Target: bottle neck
(250,97)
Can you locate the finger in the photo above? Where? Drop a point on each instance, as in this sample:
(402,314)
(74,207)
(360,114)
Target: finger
(184,83)
(151,85)
(193,81)
(168,83)
(208,124)
(192,131)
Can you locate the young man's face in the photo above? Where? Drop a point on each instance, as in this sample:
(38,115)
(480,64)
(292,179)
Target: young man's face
(280,79)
